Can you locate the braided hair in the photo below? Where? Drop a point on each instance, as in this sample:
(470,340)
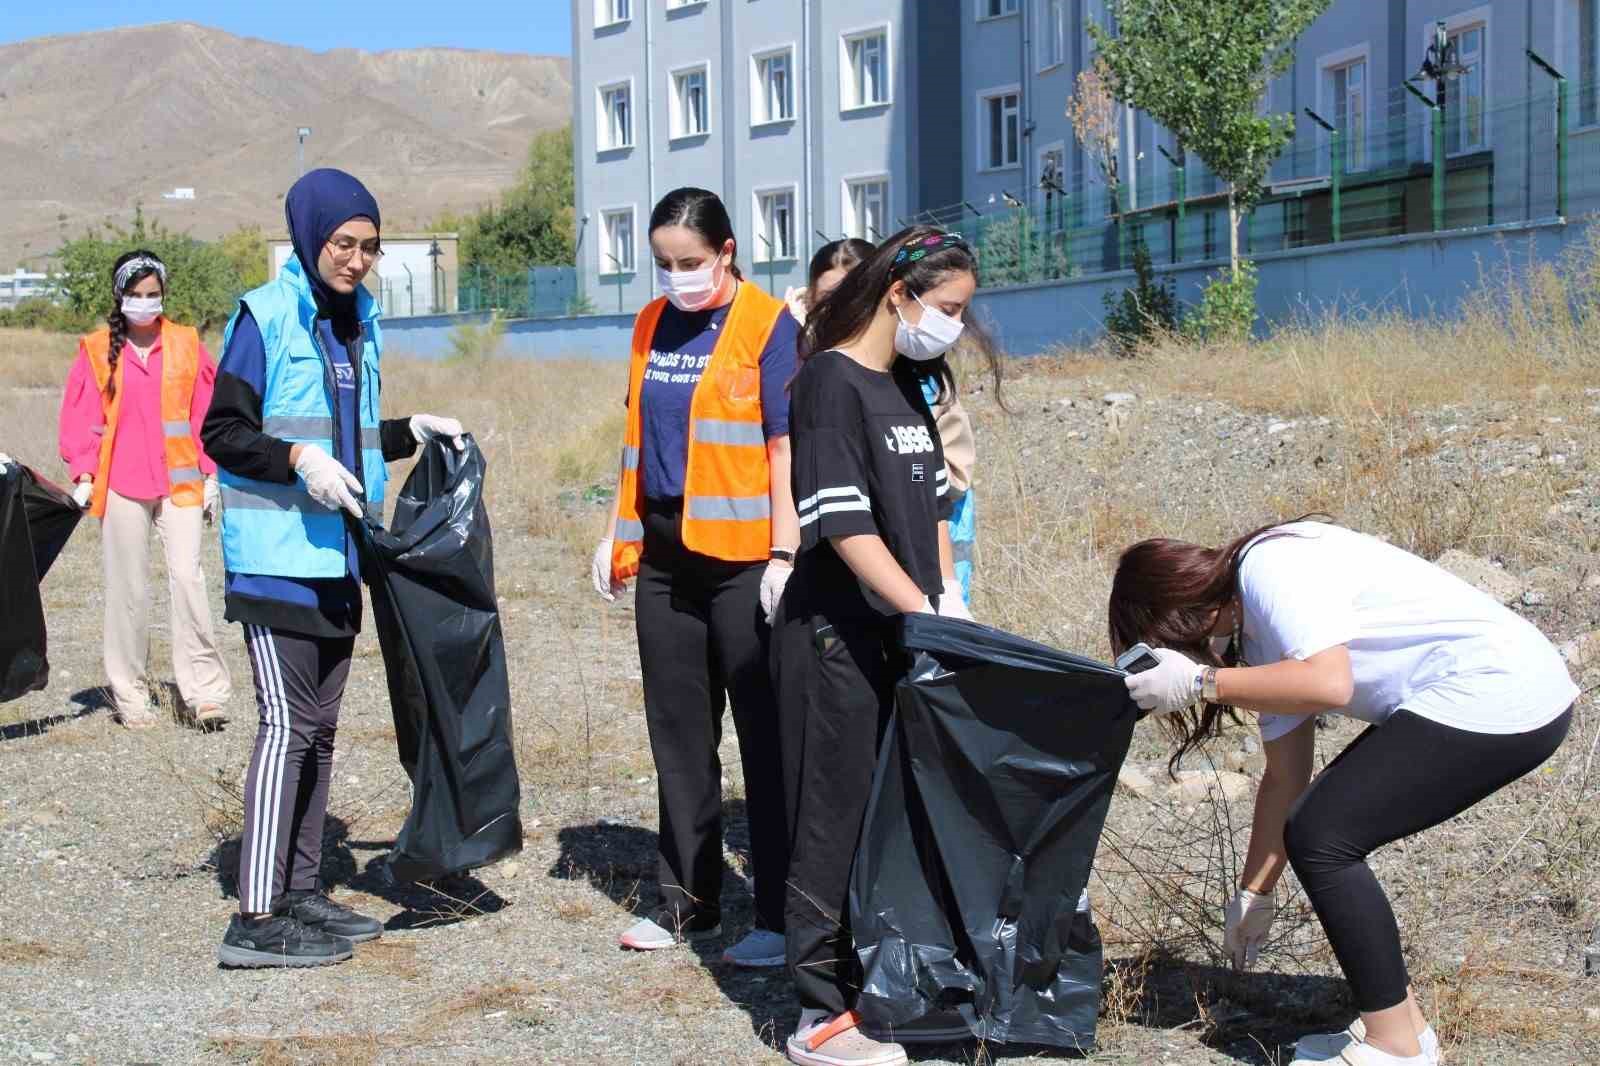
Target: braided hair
(116,321)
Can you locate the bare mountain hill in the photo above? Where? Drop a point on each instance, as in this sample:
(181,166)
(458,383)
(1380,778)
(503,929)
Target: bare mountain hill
(92,123)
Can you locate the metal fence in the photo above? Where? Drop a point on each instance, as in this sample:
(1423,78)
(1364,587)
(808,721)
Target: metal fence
(536,292)
(1408,167)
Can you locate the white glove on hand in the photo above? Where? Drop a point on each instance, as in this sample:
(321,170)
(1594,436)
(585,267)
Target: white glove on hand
(772,583)
(212,499)
(5,460)
(427,427)
(82,493)
(600,572)
(1167,688)
(952,604)
(328,482)
(1246,922)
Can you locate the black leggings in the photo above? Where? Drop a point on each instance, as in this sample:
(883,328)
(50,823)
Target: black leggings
(1395,780)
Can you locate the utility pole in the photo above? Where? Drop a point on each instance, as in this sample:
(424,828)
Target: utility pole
(301,134)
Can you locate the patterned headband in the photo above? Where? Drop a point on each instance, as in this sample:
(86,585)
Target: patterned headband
(917,250)
(134,266)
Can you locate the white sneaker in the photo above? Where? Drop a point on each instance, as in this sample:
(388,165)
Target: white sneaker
(841,1043)
(759,949)
(1363,1054)
(1325,1047)
(646,935)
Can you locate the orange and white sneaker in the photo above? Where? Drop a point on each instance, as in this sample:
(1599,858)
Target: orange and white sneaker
(660,931)
(837,1040)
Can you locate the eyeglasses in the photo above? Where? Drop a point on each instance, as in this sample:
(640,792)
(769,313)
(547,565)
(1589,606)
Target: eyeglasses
(344,249)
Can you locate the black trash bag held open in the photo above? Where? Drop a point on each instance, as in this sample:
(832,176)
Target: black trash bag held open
(432,582)
(988,801)
(36,519)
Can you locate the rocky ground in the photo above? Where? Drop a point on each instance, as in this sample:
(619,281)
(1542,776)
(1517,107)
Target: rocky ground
(116,848)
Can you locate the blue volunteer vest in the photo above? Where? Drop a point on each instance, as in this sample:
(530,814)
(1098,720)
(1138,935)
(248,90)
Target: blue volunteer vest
(277,529)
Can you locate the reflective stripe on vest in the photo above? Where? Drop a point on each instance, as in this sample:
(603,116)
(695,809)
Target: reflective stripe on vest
(727,512)
(180,368)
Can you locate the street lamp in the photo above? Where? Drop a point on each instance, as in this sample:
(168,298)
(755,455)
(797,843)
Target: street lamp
(1440,64)
(301,134)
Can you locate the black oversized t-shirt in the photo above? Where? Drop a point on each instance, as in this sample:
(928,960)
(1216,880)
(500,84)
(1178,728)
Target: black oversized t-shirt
(866,459)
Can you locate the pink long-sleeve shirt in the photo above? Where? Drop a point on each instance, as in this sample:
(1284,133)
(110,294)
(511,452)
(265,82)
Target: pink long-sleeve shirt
(139,452)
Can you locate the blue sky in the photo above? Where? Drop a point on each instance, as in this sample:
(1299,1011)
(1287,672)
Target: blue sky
(539,26)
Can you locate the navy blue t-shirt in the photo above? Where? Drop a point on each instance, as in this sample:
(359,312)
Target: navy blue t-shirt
(679,354)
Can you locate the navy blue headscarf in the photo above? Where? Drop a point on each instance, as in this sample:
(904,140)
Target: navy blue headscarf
(317,205)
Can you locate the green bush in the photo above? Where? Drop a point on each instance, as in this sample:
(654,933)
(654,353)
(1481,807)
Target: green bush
(1227,310)
(1143,312)
(1014,251)
(581,304)
(473,343)
(41,313)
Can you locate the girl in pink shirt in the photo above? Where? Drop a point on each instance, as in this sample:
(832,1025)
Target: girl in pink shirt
(129,432)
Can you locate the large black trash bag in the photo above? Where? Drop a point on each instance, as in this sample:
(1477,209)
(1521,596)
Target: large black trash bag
(991,790)
(36,518)
(432,581)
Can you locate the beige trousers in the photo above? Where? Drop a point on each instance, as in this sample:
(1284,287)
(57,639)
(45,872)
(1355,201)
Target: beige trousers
(201,674)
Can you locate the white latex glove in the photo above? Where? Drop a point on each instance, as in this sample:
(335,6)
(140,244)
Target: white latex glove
(212,499)
(952,604)
(1167,688)
(427,427)
(600,572)
(773,580)
(328,482)
(5,461)
(82,493)
(1246,922)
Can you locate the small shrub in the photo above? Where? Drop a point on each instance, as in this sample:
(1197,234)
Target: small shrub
(474,343)
(1015,250)
(1227,311)
(1143,312)
(581,304)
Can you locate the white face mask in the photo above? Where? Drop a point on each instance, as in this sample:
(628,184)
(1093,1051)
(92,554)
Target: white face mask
(141,310)
(928,339)
(691,290)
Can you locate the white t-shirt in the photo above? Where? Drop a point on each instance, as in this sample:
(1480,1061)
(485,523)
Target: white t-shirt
(1420,639)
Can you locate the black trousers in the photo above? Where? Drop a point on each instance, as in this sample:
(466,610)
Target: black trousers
(702,644)
(835,684)
(299,683)
(1396,779)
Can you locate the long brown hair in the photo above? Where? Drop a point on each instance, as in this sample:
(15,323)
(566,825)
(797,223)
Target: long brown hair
(1166,593)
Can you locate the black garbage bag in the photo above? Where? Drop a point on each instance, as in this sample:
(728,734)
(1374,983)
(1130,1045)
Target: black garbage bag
(990,793)
(36,518)
(432,582)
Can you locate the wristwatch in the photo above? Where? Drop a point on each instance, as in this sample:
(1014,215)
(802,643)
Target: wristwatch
(1208,684)
(783,555)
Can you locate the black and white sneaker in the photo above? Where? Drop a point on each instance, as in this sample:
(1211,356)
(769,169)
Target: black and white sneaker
(279,941)
(314,910)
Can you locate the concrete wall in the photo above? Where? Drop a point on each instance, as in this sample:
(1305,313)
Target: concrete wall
(602,337)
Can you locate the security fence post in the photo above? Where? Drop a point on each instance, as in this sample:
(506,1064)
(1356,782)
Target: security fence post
(1438,170)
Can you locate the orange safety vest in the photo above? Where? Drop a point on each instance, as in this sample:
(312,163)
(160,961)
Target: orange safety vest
(180,366)
(727,483)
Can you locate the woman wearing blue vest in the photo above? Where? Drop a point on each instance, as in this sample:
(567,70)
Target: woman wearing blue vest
(294,429)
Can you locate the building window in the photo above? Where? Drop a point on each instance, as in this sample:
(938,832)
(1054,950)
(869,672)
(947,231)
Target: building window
(1580,56)
(616,252)
(1346,88)
(864,73)
(1000,129)
(691,103)
(866,209)
(611,12)
(993,9)
(1466,125)
(775,225)
(684,3)
(616,116)
(772,87)
(1052,42)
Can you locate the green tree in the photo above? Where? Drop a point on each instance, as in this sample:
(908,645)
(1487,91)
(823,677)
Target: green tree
(246,249)
(532,225)
(1201,68)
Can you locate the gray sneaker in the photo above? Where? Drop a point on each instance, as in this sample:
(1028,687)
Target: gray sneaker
(252,943)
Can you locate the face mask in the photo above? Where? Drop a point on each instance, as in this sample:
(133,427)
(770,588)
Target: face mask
(141,310)
(691,290)
(936,334)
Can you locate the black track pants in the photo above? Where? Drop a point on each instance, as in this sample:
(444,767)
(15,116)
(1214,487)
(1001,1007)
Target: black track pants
(1395,780)
(702,644)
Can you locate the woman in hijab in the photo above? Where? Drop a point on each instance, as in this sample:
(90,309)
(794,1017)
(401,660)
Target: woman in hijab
(294,430)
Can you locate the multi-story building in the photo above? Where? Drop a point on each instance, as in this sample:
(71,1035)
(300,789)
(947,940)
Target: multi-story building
(25,285)
(821,118)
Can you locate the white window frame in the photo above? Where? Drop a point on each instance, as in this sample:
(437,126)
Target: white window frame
(603,264)
(847,70)
(761,254)
(984,97)
(1569,47)
(1328,108)
(1041,63)
(758,86)
(605,12)
(602,133)
(680,5)
(849,224)
(675,105)
(980,10)
(1454,24)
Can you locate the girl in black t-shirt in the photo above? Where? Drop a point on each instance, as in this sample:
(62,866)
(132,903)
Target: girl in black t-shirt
(873,497)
